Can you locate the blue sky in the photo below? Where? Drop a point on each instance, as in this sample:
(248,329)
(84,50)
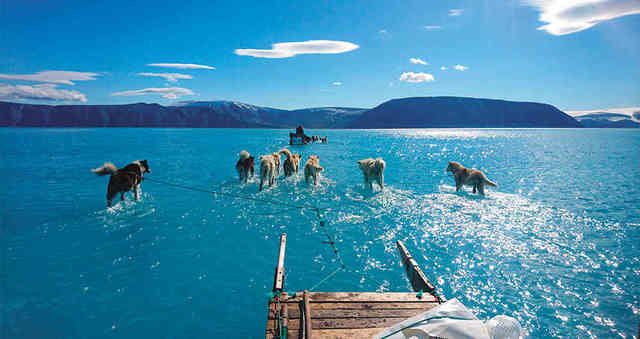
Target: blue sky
(574,54)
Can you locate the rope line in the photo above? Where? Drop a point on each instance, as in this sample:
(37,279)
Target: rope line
(330,239)
(329,276)
(204,190)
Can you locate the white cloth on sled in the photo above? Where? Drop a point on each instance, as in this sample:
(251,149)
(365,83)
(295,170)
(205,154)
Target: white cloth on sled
(448,320)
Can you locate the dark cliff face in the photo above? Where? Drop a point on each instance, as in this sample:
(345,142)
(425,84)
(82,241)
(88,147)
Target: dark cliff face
(133,115)
(462,112)
(398,113)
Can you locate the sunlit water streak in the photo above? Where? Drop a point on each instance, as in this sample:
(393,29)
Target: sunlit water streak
(556,245)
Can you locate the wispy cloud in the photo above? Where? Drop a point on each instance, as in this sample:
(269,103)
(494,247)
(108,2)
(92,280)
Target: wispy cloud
(289,49)
(39,92)
(170,77)
(180,66)
(165,92)
(53,77)
(432,27)
(460,68)
(566,17)
(418,61)
(443,68)
(337,83)
(455,12)
(416,77)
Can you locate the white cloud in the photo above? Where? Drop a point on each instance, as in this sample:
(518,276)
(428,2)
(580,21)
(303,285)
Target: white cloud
(170,77)
(180,66)
(416,77)
(570,16)
(165,92)
(337,83)
(289,49)
(54,77)
(460,68)
(455,12)
(432,27)
(418,61)
(39,92)
(443,68)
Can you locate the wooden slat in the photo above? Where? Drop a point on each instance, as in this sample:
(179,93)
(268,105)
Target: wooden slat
(343,323)
(417,278)
(373,305)
(370,297)
(278,279)
(363,313)
(307,316)
(348,333)
(342,333)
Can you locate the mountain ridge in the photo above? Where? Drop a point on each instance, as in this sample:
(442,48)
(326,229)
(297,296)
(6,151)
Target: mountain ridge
(411,112)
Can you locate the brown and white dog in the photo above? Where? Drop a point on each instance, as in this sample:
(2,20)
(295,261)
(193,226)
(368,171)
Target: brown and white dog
(312,169)
(469,177)
(245,166)
(372,170)
(268,169)
(291,163)
(124,179)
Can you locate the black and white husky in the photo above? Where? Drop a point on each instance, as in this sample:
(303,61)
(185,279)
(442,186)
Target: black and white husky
(124,179)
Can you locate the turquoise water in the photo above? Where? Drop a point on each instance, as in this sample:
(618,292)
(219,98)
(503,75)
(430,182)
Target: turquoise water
(557,245)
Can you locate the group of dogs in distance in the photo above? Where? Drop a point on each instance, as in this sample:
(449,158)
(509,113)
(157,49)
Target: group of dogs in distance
(270,167)
(372,170)
(129,177)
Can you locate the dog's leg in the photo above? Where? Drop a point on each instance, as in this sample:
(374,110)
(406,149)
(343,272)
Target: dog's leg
(110,196)
(136,192)
(261,182)
(474,188)
(481,188)
(381,182)
(121,196)
(458,184)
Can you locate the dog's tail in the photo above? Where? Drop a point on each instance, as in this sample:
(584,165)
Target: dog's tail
(244,155)
(286,152)
(107,168)
(488,182)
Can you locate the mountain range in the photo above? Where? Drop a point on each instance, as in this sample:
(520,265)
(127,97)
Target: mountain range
(609,120)
(416,112)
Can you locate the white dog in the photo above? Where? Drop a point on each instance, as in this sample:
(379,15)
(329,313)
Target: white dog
(372,170)
(267,170)
(312,169)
